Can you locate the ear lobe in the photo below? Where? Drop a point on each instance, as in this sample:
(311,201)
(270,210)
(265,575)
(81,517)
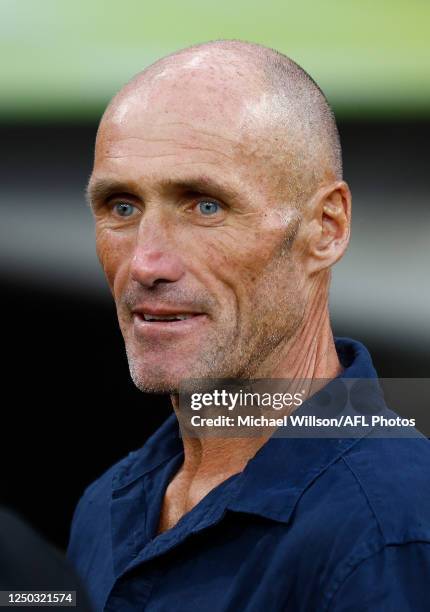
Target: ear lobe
(332,220)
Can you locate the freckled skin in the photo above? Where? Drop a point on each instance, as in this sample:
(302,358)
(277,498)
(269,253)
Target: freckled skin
(258,268)
(228,266)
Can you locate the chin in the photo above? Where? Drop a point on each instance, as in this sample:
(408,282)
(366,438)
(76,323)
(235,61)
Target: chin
(165,372)
(157,387)
(153,380)
(162,377)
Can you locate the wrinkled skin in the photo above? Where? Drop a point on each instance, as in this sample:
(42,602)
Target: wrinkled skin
(237,266)
(196,212)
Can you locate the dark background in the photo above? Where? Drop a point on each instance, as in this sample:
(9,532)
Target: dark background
(69,408)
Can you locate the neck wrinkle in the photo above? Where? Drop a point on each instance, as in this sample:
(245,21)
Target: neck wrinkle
(310,354)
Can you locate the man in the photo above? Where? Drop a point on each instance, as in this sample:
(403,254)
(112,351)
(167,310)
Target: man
(220,208)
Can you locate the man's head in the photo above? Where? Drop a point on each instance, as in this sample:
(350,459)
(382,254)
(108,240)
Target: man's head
(219,200)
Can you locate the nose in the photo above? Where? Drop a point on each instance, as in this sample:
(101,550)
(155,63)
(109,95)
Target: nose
(156,259)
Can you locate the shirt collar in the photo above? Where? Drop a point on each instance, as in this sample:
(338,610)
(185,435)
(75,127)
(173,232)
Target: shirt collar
(282,469)
(164,444)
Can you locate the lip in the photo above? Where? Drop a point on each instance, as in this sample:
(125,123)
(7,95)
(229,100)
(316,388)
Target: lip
(162,311)
(157,328)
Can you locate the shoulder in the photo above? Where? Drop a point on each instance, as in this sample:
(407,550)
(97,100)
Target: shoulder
(393,475)
(390,561)
(92,513)
(100,489)
(392,577)
(159,447)
(368,518)
(91,519)
(366,515)
(378,492)
(90,542)
(380,485)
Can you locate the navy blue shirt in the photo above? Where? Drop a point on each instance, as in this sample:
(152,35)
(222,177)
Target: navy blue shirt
(310,525)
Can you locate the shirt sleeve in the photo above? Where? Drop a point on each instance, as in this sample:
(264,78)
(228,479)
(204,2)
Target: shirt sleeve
(396,579)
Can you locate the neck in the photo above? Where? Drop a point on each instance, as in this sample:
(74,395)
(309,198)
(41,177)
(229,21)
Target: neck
(309,354)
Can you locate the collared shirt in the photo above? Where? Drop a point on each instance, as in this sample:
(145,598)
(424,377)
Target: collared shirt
(310,524)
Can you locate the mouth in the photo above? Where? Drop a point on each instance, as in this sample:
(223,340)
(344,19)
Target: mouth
(177,317)
(150,321)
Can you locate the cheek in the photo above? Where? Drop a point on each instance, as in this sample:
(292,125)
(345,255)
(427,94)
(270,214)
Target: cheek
(225,255)
(115,253)
(238,266)
(246,257)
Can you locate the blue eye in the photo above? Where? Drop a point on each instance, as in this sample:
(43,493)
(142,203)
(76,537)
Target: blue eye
(208,208)
(123,209)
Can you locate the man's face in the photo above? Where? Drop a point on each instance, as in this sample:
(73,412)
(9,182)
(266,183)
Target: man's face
(194,235)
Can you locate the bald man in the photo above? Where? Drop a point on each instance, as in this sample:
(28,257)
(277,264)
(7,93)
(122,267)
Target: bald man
(220,207)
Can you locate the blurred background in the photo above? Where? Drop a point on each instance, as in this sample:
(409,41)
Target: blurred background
(69,409)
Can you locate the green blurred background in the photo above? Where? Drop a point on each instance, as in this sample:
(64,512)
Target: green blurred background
(64,58)
(73,409)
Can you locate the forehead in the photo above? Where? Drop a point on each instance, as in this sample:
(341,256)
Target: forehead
(196,99)
(193,116)
(201,87)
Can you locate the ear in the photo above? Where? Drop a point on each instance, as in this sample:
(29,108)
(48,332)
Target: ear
(331,224)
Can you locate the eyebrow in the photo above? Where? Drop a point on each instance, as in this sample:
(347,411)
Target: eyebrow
(101,189)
